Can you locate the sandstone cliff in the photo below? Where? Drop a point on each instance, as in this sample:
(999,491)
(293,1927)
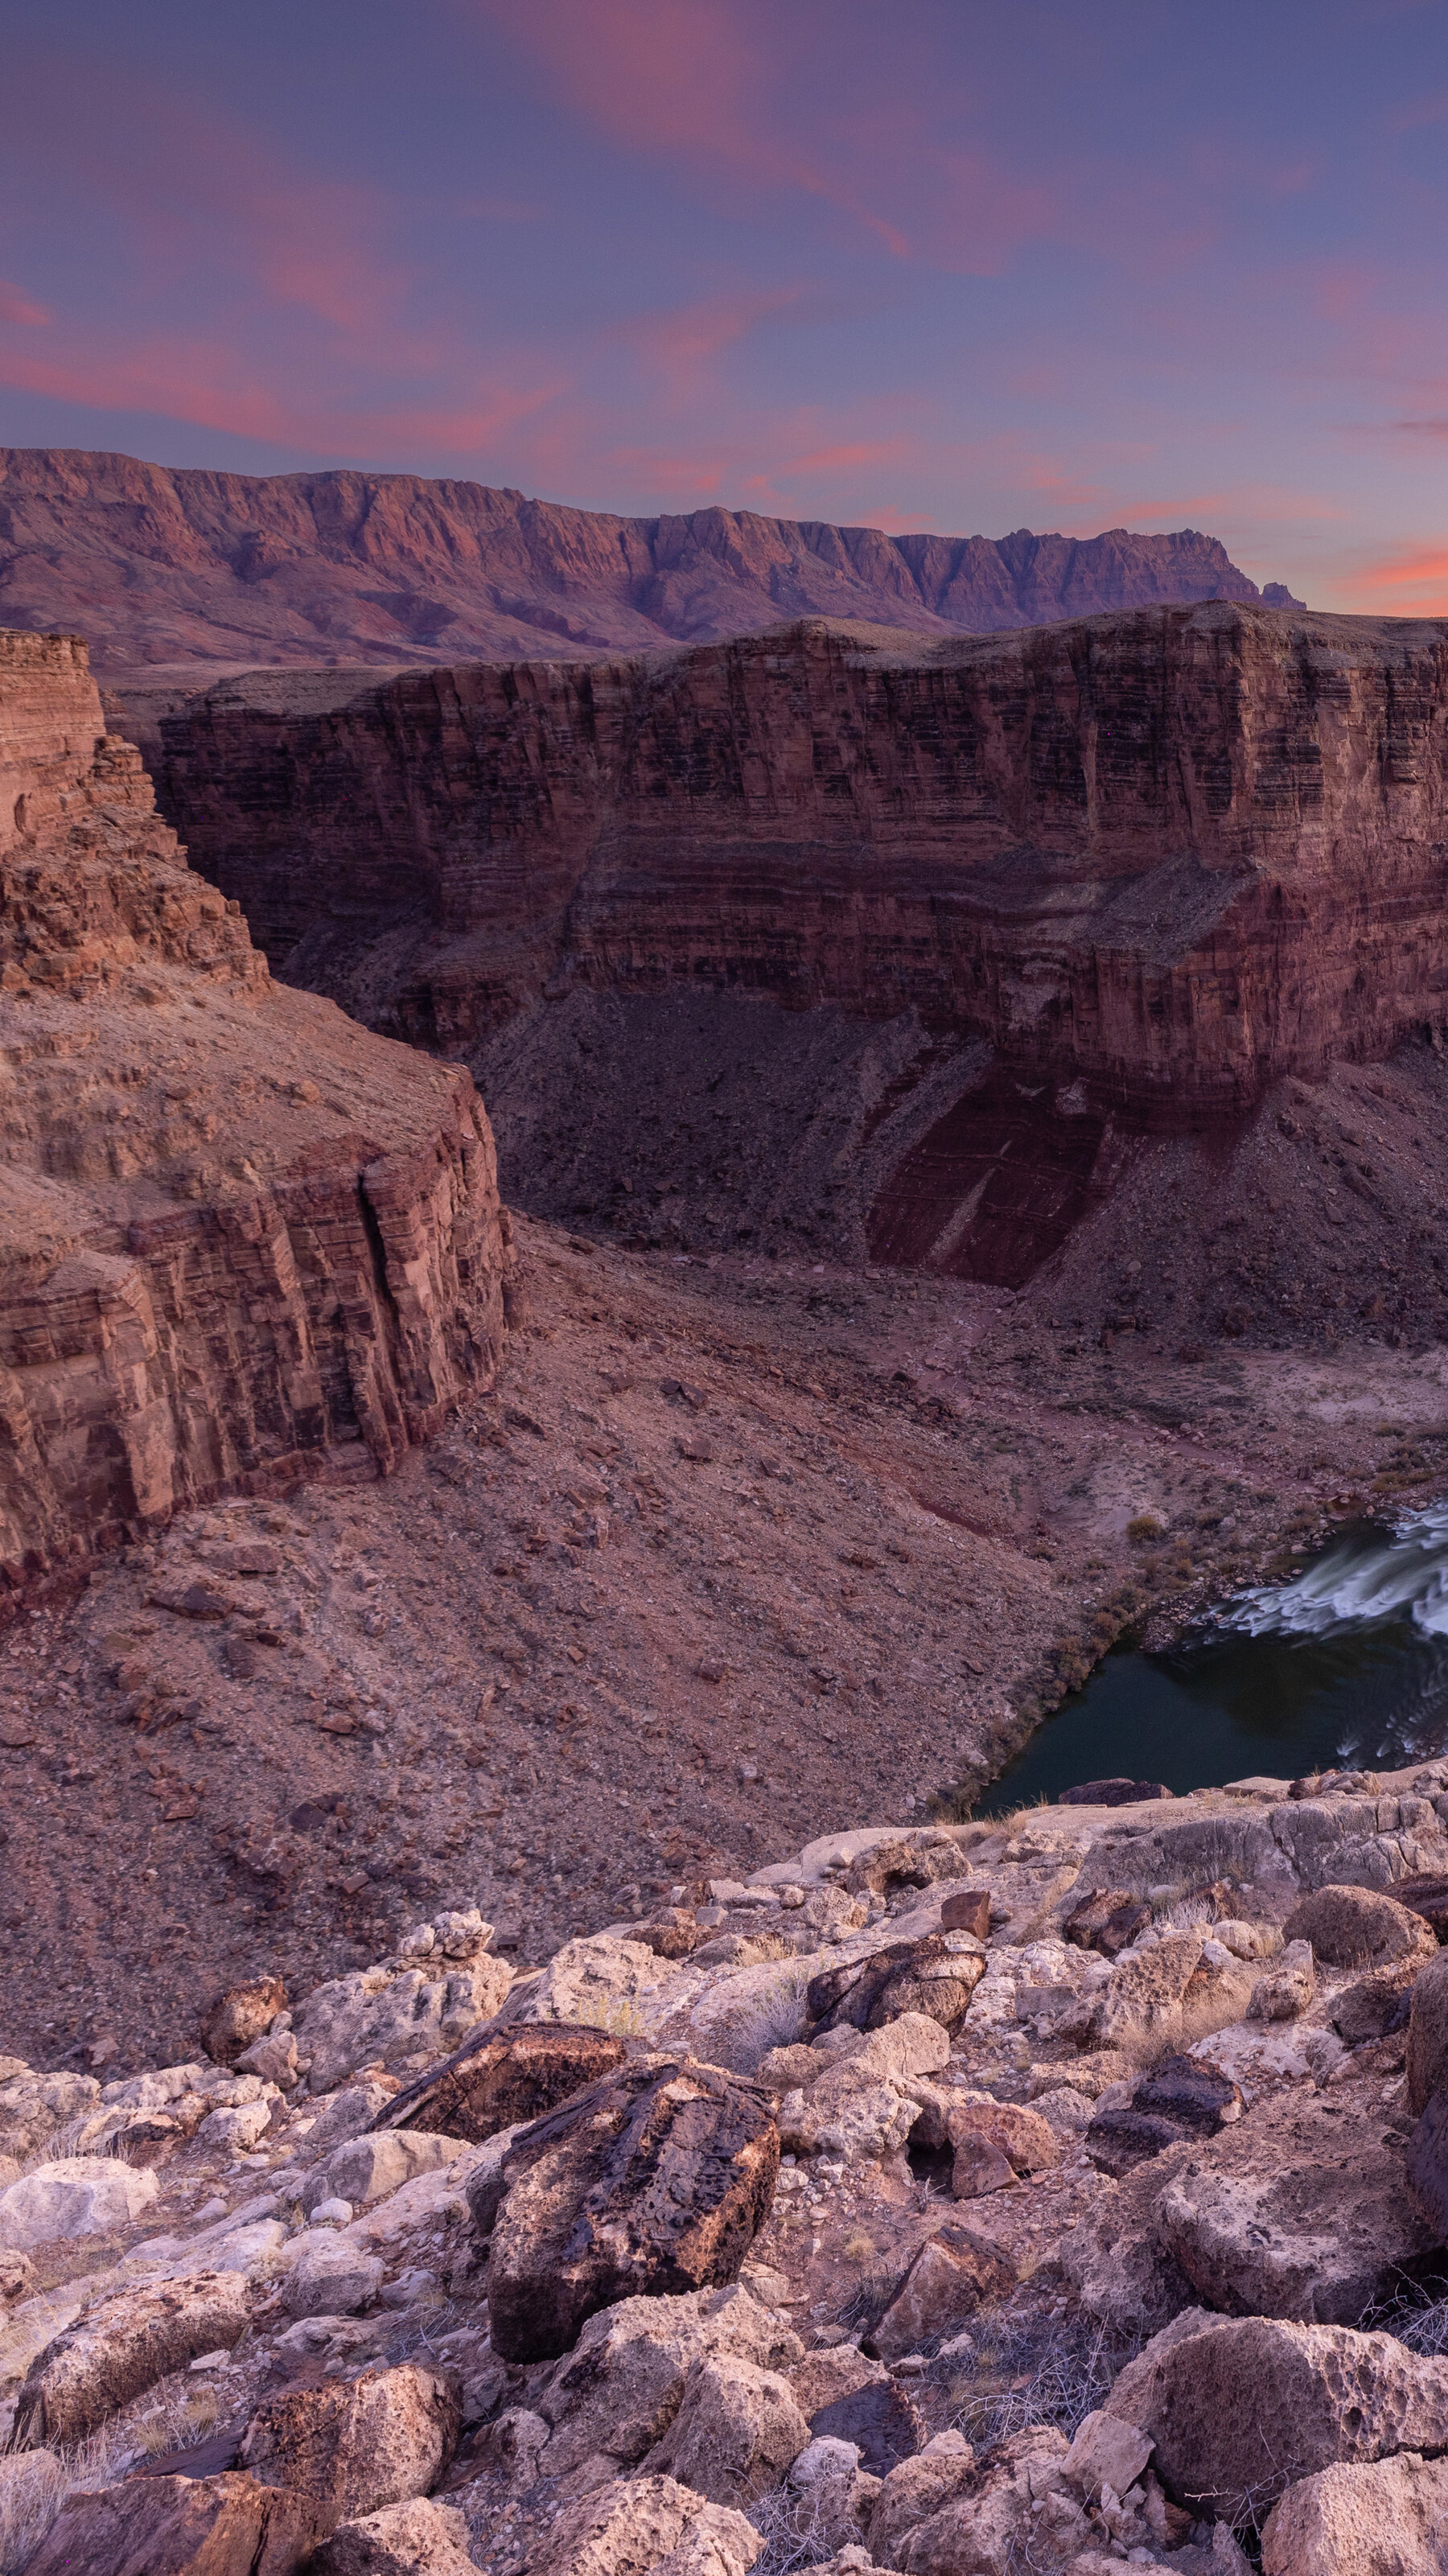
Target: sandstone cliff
(161,567)
(239,1237)
(1155,859)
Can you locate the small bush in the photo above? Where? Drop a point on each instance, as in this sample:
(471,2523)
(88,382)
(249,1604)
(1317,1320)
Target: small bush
(1145,1526)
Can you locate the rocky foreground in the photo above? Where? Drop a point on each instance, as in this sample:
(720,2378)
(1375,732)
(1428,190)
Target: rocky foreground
(1043,2193)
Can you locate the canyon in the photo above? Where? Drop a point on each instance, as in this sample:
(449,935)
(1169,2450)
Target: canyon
(183,569)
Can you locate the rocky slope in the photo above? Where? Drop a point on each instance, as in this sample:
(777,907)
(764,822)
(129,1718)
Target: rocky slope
(1065,890)
(1049,2192)
(166,567)
(242,1239)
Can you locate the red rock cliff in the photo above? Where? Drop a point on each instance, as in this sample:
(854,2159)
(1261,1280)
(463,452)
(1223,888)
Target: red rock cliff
(240,1238)
(1167,854)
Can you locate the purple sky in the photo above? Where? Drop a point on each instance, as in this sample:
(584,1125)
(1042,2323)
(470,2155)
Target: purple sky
(921,263)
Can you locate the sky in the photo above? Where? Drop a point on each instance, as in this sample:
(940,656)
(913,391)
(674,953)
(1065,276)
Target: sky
(919,264)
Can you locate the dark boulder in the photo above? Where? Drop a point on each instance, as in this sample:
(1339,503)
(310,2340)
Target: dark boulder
(936,1976)
(879,2419)
(219,2526)
(491,2083)
(968,1910)
(1182,2097)
(652,2182)
(1114,1793)
(1428,2164)
(1108,1920)
(240,2016)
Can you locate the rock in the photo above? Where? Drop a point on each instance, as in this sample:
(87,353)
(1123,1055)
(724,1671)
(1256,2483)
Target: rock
(124,2344)
(1300,2210)
(75,2196)
(413,2539)
(1356,1927)
(966,1909)
(1028,2143)
(1106,2450)
(1288,1989)
(33,2106)
(877,2419)
(1425,1895)
(1113,1793)
(348,2113)
(379,2014)
(600,1983)
(240,2017)
(180,2526)
(1142,1998)
(330,2276)
(736,2431)
(273,2057)
(934,1977)
(898,1861)
(17,2275)
(1376,2004)
(1240,2409)
(826,2375)
(979,2168)
(350,2447)
(618,2391)
(1182,2097)
(647,2526)
(655,2179)
(1108,1920)
(505,2082)
(993,2524)
(236,2127)
(1378,2518)
(951,2276)
(366,2169)
(1427,2035)
(515,2442)
(915,2490)
(1247,1940)
(862,2103)
(1427,2164)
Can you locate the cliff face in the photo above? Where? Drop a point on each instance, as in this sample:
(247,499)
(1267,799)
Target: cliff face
(239,1237)
(229,569)
(1162,857)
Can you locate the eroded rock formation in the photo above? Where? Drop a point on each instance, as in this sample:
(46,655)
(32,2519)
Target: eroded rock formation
(231,569)
(238,1235)
(1156,859)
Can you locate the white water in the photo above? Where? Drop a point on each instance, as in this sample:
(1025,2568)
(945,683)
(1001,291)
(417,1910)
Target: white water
(1358,1584)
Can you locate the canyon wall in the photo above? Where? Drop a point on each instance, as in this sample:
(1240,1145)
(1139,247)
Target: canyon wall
(240,1238)
(227,570)
(1155,858)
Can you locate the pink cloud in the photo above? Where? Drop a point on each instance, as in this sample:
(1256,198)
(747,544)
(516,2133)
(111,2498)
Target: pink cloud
(16,306)
(1410,581)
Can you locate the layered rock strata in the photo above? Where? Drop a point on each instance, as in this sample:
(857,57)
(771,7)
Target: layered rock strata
(1155,859)
(240,1236)
(223,570)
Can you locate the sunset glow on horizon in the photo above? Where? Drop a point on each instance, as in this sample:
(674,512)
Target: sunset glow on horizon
(935,266)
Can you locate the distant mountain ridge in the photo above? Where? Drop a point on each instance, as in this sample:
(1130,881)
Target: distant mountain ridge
(160,567)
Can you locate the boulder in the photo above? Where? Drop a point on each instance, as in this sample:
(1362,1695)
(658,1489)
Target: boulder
(966,1909)
(1182,2097)
(654,2180)
(862,2102)
(1288,1988)
(1426,1895)
(1027,2142)
(646,2527)
(736,2431)
(241,2016)
(1106,2451)
(33,2106)
(876,2418)
(915,2490)
(1241,2408)
(1300,2210)
(978,2168)
(1357,1927)
(1427,2035)
(600,1983)
(504,2082)
(935,1977)
(155,2526)
(352,2446)
(1108,1920)
(330,2276)
(370,2167)
(1142,1998)
(954,2273)
(348,2113)
(617,2393)
(1372,2518)
(74,2196)
(1427,2164)
(412,2539)
(380,2014)
(1114,1793)
(1003,2510)
(122,2345)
